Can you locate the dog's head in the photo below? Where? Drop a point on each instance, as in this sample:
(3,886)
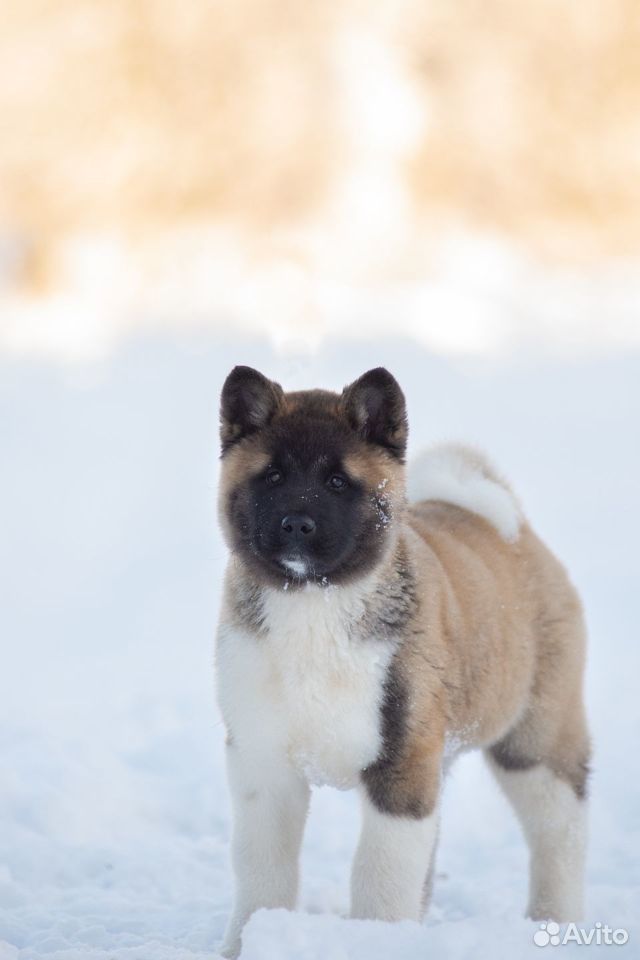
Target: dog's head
(311,481)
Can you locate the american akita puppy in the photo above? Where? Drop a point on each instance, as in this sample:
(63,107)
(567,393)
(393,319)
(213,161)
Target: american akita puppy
(368,633)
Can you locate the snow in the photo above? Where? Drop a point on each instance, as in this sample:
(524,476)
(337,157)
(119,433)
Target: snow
(352,274)
(114,818)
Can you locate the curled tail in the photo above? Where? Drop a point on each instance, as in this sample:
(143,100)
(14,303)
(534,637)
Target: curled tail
(462,476)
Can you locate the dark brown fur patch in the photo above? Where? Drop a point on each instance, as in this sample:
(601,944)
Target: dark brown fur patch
(395,602)
(507,756)
(510,759)
(403,781)
(248,402)
(375,407)
(580,779)
(392,786)
(384,779)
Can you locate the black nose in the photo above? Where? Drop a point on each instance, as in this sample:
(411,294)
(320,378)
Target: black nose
(297,526)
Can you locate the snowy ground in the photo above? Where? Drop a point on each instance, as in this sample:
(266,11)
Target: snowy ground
(114,819)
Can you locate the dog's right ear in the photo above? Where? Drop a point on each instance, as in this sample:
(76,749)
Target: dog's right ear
(247,403)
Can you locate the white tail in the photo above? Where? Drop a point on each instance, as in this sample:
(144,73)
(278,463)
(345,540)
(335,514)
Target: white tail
(464,477)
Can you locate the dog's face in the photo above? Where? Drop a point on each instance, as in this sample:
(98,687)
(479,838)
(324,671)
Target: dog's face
(311,480)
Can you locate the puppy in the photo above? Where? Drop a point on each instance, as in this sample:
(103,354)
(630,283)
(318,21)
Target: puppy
(370,630)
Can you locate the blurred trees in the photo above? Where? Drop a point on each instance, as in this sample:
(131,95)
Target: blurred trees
(135,116)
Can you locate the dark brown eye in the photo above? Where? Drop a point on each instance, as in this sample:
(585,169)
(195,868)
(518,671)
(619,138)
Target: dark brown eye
(273,478)
(336,482)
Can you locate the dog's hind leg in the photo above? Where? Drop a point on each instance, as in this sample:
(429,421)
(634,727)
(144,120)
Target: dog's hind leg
(427,889)
(554,822)
(546,786)
(542,762)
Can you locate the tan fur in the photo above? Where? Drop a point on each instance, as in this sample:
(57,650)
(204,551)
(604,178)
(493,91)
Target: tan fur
(378,473)
(243,461)
(496,651)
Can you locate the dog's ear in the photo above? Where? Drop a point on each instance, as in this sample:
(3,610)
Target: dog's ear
(375,407)
(247,403)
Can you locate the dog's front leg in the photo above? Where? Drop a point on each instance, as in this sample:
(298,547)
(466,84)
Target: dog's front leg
(391,865)
(397,842)
(270,804)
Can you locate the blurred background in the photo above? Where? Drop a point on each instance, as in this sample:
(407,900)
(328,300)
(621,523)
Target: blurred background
(289,168)
(449,189)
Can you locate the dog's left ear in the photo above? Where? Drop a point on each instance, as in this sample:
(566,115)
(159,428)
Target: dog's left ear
(375,407)
(247,403)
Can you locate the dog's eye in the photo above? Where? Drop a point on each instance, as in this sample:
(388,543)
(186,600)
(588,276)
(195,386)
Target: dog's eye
(273,478)
(336,482)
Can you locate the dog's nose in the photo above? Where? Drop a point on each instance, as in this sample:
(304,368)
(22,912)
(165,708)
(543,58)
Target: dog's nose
(298,526)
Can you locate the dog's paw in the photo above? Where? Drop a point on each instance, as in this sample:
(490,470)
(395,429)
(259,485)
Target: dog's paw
(231,945)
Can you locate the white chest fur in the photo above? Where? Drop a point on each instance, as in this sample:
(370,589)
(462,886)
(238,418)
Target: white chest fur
(311,686)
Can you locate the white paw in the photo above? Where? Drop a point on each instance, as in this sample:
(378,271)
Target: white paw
(232,943)
(230,947)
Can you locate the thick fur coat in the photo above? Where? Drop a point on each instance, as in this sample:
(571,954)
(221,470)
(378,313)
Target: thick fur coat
(372,628)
